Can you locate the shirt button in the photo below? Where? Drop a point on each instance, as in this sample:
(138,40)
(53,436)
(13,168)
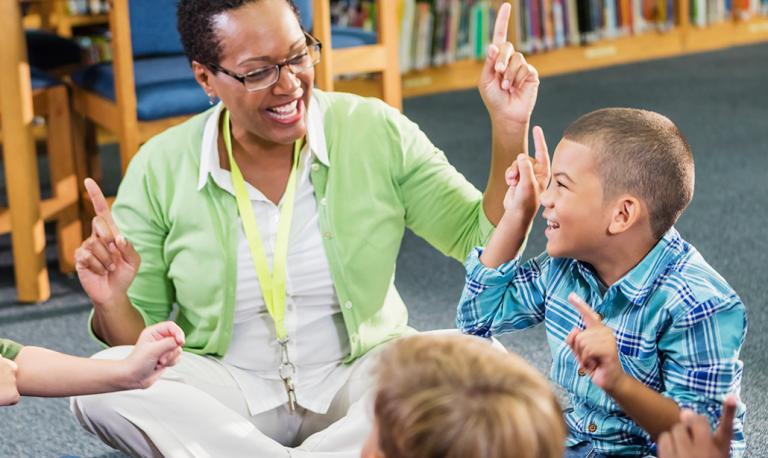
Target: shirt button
(582,373)
(592,427)
(328,235)
(323,201)
(315,166)
(348,305)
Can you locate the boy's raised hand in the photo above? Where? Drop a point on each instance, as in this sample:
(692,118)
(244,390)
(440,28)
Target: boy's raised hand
(693,438)
(159,346)
(528,178)
(9,392)
(106,262)
(595,347)
(508,84)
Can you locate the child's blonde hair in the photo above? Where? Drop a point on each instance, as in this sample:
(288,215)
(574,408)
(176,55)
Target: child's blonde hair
(456,396)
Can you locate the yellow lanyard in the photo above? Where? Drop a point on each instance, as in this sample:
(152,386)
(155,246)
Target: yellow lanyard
(272,284)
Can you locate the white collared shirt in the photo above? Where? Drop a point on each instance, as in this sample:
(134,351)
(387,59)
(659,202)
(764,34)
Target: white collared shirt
(313,318)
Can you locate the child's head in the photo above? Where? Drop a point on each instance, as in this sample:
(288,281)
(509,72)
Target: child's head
(457,396)
(616,171)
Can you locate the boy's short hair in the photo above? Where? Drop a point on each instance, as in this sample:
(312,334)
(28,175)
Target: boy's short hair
(643,153)
(456,396)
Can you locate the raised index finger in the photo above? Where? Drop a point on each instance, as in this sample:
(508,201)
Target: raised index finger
(590,317)
(502,24)
(540,145)
(100,205)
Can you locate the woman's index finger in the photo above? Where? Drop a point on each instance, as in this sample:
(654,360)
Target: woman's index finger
(100,205)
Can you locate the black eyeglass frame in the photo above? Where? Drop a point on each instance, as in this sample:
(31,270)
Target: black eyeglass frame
(311,42)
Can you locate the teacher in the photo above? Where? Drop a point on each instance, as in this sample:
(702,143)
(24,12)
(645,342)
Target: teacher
(268,228)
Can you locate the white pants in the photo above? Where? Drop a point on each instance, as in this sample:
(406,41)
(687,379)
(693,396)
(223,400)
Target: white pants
(197,409)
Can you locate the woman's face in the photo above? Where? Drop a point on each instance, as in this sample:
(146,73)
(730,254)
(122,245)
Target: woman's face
(258,35)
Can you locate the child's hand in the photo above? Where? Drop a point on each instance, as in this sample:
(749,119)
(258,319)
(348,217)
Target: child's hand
(692,438)
(9,392)
(528,178)
(158,347)
(508,84)
(595,347)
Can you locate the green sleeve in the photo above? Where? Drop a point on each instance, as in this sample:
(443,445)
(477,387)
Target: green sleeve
(9,349)
(441,206)
(138,214)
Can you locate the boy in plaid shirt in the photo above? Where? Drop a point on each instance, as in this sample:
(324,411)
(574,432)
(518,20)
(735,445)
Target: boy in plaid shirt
(639,325)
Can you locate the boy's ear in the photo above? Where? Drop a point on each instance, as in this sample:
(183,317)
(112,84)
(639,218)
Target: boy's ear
(627,212)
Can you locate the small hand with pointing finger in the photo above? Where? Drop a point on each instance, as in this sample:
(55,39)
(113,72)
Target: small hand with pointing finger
(508,84)
(595,347)
(106,262)
(528,178)
(693,438)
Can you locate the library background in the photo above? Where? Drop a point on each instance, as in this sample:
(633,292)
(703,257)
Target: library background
(100,70)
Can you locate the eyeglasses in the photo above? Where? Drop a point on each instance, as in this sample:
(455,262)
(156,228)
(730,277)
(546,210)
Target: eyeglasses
(268,76)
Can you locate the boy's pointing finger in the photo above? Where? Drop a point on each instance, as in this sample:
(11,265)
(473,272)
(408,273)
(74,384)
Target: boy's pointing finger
(590,317)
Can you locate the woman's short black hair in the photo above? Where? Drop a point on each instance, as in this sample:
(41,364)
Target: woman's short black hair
(195,24)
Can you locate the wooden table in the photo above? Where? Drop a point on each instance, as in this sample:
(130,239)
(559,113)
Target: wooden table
(16,112)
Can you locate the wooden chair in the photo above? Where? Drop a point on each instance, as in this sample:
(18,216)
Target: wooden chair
(349,52)
(147,87)
(26,211)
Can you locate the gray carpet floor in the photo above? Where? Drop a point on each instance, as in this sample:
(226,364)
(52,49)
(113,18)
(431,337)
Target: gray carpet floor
(720,102)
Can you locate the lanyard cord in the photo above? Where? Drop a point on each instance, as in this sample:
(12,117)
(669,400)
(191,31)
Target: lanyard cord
(272,283)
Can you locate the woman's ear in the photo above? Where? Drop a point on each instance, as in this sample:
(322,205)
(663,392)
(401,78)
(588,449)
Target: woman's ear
(203,78)
(627,211)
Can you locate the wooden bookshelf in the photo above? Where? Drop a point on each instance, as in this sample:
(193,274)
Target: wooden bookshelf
(54,16)
(684,39)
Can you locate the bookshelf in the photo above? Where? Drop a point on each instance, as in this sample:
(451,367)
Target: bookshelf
(63,17)
(682,37)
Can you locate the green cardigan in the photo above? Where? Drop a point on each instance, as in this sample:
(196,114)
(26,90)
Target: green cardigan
(384,176)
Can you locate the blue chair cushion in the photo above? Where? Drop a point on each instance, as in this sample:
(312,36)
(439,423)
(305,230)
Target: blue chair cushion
(46,50)
(348,37)
(153,28)
(165,86)
(42,80)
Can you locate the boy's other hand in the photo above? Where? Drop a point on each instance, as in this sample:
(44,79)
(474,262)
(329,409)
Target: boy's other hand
(692,438)
(159,346)
(508,84)
(106,262)
(527,178)
(595,347)
(9,392)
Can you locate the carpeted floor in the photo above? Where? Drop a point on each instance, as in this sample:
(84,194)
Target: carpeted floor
(720,102)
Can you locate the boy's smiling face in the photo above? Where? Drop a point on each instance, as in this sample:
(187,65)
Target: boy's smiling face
(577,217)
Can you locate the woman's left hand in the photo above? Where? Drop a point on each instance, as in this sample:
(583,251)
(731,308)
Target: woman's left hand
(508,84)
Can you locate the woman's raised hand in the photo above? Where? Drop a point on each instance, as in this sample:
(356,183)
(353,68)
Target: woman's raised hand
(508,84)
(106,262)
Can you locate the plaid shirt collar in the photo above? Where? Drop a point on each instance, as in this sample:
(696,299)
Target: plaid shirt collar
(639,282)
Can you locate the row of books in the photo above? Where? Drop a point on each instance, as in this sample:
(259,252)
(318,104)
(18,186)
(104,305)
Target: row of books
(437,32)
(96,45)
(85,7)
(705,12)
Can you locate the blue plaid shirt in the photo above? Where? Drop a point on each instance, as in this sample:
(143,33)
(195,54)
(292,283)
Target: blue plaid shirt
(678,325)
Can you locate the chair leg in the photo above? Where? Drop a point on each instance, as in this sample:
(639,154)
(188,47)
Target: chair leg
(64,182)
(26,222)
